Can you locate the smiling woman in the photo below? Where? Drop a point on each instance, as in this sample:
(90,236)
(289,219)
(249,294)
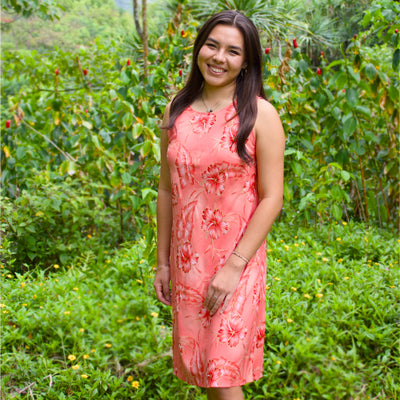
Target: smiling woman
(221,187)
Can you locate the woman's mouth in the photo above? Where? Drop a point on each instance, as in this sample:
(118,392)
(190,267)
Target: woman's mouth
(216,70)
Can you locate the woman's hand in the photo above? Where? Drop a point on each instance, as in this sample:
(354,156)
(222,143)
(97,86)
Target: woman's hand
(161,284)
(223,285)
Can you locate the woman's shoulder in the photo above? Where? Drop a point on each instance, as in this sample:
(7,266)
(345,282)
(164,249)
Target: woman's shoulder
(264,106)
(268,119)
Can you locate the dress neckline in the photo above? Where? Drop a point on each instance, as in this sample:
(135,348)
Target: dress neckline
(211,112)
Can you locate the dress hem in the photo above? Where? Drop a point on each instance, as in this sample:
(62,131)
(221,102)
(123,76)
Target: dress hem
(244,382)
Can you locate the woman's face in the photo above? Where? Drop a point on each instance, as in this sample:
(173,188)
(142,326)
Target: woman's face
(222,56)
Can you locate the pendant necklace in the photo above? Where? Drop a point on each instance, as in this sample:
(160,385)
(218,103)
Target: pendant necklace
(209,110)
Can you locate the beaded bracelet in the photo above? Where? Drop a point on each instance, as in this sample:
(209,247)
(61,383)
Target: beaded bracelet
(240,256)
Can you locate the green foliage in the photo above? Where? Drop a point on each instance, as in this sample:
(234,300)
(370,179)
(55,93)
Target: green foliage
(54,223)
(80,23)
(44,9)
(331,323)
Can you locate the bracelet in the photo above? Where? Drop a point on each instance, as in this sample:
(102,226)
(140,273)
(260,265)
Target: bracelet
(240,256)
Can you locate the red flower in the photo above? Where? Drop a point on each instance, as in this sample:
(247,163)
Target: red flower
(354,36)
(319,72)
(232,330)
(213,223)
(322,53)
(57,71)
(85,72)
(180,72)
(8,123)
(182,33)
(396,31)
(128,62)
(214,179)
(295,43)
(267,50)
(186,259)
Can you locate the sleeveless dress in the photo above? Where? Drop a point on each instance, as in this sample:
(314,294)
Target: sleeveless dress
(214,195)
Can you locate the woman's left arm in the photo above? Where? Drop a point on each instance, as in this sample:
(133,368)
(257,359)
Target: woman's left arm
(270,147)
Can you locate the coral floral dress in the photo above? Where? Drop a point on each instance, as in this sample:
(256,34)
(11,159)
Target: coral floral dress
(214,195)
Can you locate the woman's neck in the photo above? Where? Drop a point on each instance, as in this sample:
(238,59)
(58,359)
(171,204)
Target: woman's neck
(222,96)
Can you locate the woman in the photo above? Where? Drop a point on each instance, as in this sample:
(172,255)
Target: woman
(221,187)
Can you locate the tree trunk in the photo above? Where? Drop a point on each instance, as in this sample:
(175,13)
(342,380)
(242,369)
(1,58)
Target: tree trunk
(145,36)
(142,31)
(136,19)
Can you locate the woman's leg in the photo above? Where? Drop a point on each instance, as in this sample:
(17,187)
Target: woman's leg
(232,393)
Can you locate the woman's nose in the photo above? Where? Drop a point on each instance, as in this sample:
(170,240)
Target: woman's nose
(219,56)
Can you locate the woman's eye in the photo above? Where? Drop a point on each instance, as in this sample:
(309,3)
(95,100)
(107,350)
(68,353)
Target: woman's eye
(234,52)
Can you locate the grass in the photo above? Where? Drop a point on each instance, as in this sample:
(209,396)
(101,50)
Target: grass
(96,331)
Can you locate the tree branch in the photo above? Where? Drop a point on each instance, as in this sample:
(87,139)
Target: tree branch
(65,154)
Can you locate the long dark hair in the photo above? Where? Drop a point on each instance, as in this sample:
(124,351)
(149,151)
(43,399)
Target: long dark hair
(248,83)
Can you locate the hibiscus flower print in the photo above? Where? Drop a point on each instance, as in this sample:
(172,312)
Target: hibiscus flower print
(184,166)
(259,338)
(222,368)
(228,138)
(250,188)
(186,260)
(213,223)
(202,123)
(205,317)
(215,178)
(232,330)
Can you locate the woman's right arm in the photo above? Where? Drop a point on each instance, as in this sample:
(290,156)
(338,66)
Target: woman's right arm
(164,221)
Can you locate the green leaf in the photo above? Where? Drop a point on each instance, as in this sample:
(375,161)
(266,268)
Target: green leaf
(396,59)
(303,65)
(370,71)
(345,175)
(87,125)
(337,212)
(126,178)
(349,125)
(352,97)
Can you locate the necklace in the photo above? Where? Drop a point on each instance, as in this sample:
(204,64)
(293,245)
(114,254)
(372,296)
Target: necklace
(210,109)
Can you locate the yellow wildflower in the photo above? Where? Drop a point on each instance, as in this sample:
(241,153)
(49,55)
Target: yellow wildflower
(86,356)
(338,239)
(333,358)
(129,378)
(278,362)
(71,357)
(5,312)
(289,320)
(267,287)
(67,312)
(89,236)
(93,350)
(307,296)
(319,295)
(344,223)
(75,367)
(84,376)
(108,345)
(141,262)
(296,245)
(56,266)
(120,321)
(277,279)
(294,289)
(75,288)
(154,314)
(139,281)
(346,278)
(81,330)
(2,305)
(286,247)
(135,384)
(325,259)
